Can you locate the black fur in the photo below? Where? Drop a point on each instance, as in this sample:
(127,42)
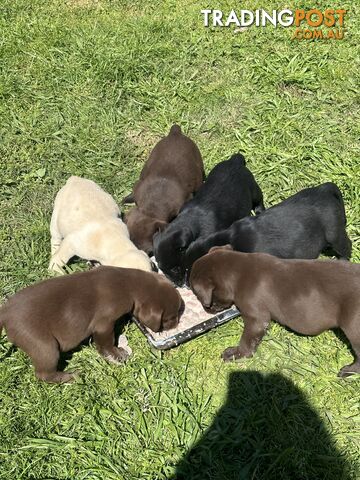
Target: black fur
(128,199)
(309,223)
(229,193)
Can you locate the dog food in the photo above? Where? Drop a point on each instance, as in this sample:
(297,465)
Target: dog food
(194,321)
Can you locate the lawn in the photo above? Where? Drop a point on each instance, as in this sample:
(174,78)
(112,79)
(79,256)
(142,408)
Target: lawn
(87,87)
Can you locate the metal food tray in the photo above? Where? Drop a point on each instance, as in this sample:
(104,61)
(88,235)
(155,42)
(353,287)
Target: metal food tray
(190,333)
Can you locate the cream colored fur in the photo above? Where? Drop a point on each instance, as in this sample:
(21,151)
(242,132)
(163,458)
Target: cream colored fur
(85,222)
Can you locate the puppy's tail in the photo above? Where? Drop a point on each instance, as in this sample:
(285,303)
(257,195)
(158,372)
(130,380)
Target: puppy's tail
(238,157)
(175,130)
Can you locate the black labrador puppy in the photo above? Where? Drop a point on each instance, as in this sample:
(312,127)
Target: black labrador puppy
(309,223)
(229,193)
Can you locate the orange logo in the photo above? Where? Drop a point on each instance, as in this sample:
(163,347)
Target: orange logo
(333,19)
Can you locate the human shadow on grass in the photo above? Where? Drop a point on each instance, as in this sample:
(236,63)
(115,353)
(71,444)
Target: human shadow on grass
(266,430)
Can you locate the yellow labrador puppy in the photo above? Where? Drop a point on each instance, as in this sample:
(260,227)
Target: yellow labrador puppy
(86,222)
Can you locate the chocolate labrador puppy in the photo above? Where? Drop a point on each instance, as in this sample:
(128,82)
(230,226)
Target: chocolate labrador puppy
(308,296)
(229,193)
(304,225)
(169,178)
(56,315)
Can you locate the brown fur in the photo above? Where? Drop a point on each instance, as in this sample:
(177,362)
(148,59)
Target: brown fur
(308,296)
(173,172)
(56,315)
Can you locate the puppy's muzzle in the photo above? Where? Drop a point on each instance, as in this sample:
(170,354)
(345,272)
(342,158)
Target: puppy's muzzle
(176,275)
(216,308)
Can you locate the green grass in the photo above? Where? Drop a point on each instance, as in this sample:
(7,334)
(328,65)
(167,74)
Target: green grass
(87,88)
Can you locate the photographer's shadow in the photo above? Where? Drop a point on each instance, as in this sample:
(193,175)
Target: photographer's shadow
(266,430)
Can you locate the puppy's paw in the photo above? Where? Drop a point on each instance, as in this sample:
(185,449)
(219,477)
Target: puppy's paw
(117,355)
(231,353)
(55,268)
(57,377)
(349,370)
(70,377)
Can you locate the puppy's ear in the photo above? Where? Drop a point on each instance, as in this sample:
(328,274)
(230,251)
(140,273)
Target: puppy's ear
(150,316)
(222,247)
(185,237)
(156,239)
(204,292)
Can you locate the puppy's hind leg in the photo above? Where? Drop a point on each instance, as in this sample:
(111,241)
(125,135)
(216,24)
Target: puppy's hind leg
(259,208)
(258,201)
(340,243)
(352,368)
(128,199)
(45,357)
(254,330)
(56,236)
(62,255)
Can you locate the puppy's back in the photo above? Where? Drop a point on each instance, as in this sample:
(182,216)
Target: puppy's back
(175,156)
(321,194)
(135,259)
(81,201)
(35,305)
